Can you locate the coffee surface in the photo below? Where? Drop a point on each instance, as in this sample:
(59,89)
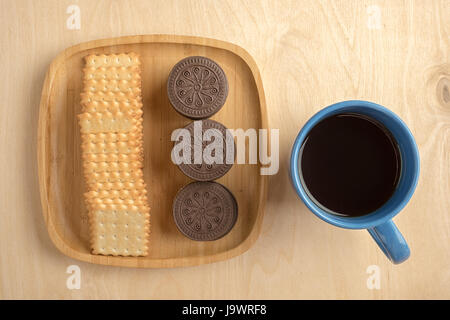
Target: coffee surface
(350,164)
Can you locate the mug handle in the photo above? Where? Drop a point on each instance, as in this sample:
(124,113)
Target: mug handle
(390,241)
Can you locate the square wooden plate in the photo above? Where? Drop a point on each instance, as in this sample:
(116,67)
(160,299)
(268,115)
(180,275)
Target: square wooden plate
(59,156)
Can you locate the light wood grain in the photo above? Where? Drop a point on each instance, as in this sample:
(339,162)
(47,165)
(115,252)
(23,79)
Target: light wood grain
(310,54)
(60,166)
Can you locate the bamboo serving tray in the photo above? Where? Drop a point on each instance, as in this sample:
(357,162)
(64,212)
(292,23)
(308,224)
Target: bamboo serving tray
(59,154)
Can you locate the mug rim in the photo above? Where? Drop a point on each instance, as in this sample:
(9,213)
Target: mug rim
(365,221)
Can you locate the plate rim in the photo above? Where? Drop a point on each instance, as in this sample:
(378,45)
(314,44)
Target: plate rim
(43,133)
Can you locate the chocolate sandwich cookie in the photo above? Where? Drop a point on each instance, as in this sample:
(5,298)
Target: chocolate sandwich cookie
(200,140)
(205,211)
(197,87)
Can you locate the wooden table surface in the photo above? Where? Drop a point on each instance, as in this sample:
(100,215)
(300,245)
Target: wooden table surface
(310,54)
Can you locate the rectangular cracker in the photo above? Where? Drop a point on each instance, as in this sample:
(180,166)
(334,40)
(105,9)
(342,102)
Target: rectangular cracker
(121,147)
(111,126)
(133,107)
(117,185)
(112,157)
(123,177)
(116,123)
(112,193)
(112,60)
(119,232)
(100,96)
(112,73)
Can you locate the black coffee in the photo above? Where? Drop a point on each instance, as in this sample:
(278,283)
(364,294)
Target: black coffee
(350,164)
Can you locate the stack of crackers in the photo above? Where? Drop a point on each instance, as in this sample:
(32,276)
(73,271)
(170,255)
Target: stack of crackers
(112,150)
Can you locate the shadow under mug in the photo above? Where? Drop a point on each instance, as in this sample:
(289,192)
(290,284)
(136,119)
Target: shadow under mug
(378,223)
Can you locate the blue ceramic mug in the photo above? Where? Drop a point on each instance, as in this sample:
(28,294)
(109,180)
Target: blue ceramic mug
(378,223)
